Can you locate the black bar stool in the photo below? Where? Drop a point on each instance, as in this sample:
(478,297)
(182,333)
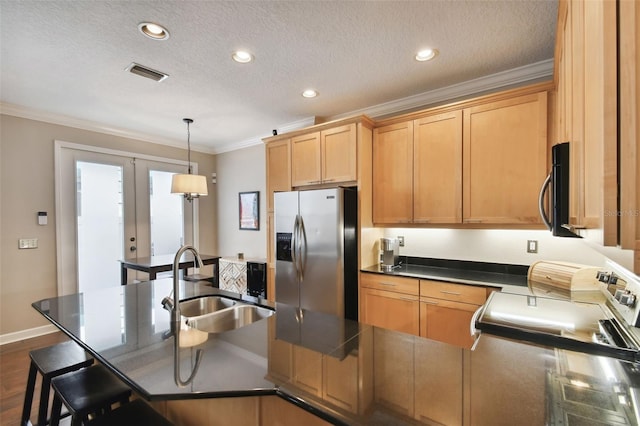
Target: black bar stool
(135,413)
(51,362)
(88,391)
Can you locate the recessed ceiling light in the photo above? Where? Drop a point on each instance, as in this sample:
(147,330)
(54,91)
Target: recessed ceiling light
(154,31)
(310,93)
(242,56)
(426,55)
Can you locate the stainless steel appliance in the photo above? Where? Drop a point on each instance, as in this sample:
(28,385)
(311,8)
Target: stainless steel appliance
(389,253)
(257,279)
(317,250)
(559,177)
(581,389)
(608,328)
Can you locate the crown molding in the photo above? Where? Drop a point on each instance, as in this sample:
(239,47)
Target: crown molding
(93,126)
(257,140)
(516,76)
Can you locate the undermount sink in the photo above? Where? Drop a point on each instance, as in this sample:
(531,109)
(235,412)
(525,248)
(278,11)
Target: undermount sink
(205,305)
(229,319)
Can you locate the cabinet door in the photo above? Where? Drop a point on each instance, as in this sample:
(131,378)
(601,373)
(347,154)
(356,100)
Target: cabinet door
(307,370)
(339,154)
(438,395)
(305,159)
(393,173)
(437,168)
(393,371)
(386,309)
(447,321)
(504,160)
(340,382)
(280,357)
(278,156)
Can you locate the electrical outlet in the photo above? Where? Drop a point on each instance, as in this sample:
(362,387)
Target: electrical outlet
(532,246)
(401,241)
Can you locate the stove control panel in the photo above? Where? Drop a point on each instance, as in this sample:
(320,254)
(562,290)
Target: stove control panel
(623,291)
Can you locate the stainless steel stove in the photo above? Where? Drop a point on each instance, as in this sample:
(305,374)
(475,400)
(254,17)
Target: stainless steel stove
(601,388)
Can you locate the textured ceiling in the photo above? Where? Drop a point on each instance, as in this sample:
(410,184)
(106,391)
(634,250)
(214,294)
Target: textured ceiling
(68,58)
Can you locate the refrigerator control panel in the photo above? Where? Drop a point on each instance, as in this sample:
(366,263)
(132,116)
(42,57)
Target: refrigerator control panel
(283,246)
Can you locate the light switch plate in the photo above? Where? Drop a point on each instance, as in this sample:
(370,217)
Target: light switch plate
(28,243)
(532,246)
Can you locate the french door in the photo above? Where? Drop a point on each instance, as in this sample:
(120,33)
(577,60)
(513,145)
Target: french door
(111,205)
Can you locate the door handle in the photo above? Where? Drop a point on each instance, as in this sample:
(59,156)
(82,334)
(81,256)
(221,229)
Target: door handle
(543,191)
(303,248)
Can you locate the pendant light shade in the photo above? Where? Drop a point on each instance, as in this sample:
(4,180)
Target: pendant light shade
(190,185)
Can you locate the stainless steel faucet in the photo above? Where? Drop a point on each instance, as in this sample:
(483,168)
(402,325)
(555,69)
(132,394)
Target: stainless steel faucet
(168,303)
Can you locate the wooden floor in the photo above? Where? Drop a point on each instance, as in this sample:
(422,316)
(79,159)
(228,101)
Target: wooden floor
(14,369)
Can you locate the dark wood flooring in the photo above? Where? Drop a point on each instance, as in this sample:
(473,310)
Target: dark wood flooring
(14,369)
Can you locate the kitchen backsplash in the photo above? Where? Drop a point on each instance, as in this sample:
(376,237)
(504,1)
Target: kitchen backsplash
(492,245)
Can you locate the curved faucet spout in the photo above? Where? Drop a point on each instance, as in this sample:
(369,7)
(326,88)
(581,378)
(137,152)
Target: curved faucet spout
(174,307)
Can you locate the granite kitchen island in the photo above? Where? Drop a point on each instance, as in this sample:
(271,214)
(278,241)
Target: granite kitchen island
(311,368)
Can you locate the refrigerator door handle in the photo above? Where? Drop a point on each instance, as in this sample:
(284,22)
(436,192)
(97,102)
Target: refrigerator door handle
(294,245)
(303,248)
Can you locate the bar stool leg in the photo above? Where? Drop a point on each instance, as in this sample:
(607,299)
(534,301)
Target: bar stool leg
(56,408)
(44,401)
(28,396)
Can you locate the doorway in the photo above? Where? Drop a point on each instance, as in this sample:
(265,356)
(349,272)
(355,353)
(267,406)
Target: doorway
(113,205)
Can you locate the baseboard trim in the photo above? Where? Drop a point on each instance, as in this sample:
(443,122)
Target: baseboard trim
(26,334)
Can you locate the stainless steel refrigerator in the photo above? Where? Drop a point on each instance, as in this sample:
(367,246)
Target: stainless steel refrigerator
(317,250)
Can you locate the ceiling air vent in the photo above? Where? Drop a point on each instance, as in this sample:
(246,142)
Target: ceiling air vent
(143,71)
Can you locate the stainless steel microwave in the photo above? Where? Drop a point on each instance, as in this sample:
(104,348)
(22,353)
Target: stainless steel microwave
(558,179)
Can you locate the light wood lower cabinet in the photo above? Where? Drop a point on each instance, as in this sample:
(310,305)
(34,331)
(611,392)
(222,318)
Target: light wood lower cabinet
(393,371)
(446,310)
(447,321)
(394,311)
(307,370)
(439,392)
(343,382)
(434,309)
(390,302)
(340,382)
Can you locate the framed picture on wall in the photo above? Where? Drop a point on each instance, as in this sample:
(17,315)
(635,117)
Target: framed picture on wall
(249,210)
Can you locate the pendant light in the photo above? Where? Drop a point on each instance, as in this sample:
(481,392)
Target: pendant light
(190,185)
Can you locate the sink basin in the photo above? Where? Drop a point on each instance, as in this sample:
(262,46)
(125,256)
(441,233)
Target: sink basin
(229,319)
(205,305)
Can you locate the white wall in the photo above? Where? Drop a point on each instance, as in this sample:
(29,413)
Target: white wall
(238,171)
(494,245)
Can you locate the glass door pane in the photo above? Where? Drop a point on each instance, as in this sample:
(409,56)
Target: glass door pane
(166,214)
(100,224)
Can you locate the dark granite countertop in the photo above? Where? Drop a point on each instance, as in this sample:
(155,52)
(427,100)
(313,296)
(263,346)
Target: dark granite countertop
(382,376)
(458,271)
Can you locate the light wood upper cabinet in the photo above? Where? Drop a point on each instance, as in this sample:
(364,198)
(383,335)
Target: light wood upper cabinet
(305,159)
(596,110)
(339,154)
(278,159)
(437,168)
(326,156)
(393,173)
(504,160)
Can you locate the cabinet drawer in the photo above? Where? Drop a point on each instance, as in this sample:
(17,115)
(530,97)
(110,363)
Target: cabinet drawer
(454,292)
(390,283)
